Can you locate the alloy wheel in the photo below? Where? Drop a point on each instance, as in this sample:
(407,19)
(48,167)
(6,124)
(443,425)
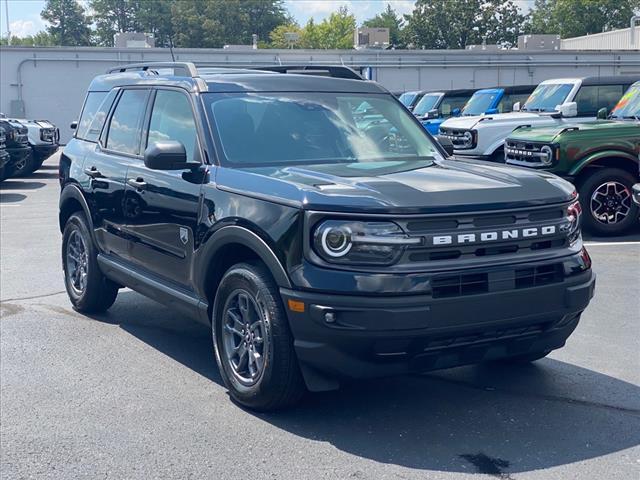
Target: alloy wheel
(77,262)
(611,202)
(244,336)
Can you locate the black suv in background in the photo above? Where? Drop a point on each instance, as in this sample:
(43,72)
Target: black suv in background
(5,158)
(17,146)
(320,246)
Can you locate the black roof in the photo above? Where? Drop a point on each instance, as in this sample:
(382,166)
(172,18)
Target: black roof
(225,80)
(611,80)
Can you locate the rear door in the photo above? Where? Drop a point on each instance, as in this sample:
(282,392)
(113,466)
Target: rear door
(106,165)
(163,205)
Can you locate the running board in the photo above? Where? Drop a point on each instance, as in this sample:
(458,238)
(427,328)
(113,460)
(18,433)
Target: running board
(154,288)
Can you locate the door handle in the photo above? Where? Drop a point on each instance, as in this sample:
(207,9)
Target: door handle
(138,183)
(93,172)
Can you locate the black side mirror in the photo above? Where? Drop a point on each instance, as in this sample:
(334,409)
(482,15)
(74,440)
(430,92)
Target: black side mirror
(602,114)
(73,125)
(446,144)
(167,155)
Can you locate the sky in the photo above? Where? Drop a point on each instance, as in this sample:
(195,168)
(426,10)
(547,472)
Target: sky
(24,15)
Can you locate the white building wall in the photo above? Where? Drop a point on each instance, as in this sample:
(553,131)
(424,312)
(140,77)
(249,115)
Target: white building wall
(614,40)
(51,82)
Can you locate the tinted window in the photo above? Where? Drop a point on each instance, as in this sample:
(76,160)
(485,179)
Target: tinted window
(427,103)
(450,103)
(592,98)
(91,105)
(93,133)
(506,103)
(124,129)
(262,129)
(172,119)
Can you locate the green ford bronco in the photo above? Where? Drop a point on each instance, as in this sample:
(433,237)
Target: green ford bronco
(600,158)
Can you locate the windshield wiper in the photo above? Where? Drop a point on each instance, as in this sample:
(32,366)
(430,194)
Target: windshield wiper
(633,117)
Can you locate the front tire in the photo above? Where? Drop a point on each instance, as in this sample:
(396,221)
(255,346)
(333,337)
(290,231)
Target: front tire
(252,341)
(88,289)
(607,202)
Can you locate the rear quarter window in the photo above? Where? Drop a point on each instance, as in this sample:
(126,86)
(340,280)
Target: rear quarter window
(91,105)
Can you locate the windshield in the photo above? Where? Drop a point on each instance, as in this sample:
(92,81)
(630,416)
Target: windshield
(428,102)
(547,96)
(629,104)
(407,98)
(479,103)
(260,129)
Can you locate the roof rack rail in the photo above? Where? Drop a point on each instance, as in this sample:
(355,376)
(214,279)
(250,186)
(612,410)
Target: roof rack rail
(182,69)
(189,69)
(335,71)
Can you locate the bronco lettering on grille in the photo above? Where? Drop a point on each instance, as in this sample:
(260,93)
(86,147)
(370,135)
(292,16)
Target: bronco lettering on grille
(480,237)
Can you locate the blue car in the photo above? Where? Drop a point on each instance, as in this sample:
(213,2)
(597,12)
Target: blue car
(497,100)
(435,107)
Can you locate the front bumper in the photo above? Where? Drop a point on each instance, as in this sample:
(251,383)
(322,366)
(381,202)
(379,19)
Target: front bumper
(393,335)
(636,193)
(43,151)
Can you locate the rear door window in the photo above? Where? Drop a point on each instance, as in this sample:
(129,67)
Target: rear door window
(125,128)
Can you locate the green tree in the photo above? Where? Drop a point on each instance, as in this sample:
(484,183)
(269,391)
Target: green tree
(40,39)
(68,24)
(155,17)
(113,16)
(574,18)
(277,38)
(214,23)
(334,32)
(391,20)
(442,24)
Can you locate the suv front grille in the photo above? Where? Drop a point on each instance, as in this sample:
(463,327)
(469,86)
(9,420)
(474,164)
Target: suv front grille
(489,225)
(526,154)
(464,284)
(461,139)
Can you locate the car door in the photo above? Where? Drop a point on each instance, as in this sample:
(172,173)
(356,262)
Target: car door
(106,165)
(163,205)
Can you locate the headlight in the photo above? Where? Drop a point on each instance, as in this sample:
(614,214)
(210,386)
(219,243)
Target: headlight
(468,137)
(546,155)
(574,215)
(360,243)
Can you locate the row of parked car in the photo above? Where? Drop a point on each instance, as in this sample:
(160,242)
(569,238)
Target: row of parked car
(586,130)
(25,145)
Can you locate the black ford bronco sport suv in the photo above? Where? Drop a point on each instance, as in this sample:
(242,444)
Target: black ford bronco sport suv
(311,220)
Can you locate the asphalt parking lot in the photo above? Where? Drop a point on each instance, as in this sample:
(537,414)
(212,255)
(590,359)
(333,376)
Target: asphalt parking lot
(135,393)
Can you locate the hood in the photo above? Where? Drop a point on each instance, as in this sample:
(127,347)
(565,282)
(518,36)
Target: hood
(512,119)
(549,133)
(399,187)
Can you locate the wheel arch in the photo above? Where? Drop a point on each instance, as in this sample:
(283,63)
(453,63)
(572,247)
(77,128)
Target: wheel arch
(611,159)
(226,247)
(72,200)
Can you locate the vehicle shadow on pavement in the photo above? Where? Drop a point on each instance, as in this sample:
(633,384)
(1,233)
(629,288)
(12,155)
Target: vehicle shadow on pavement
(11,197)
(182,339)
(493,419)
(19,184)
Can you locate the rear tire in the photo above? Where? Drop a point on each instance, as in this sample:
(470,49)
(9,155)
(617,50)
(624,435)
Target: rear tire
(88,289)
(607,203)
(252,341)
